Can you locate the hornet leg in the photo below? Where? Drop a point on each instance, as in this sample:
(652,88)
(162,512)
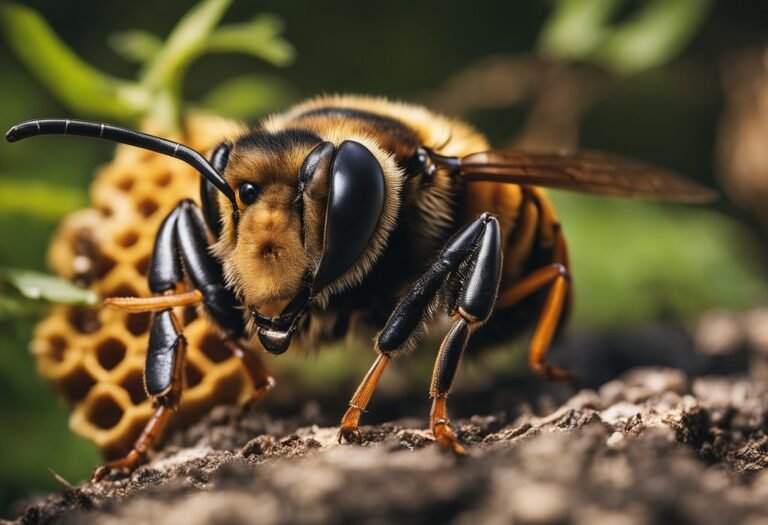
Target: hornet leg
(478,247)
(558,278)
(181,248)
(260,378)
(163,380)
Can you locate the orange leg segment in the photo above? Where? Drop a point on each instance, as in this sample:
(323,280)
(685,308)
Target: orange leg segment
(156,302)
(148,436)
(349,430)
(441,426)
(545,331)
(533,282)
(262,381)
(557,277)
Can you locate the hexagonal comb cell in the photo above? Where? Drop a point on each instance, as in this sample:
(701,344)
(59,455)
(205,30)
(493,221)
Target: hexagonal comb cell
(138,323)
(128,239)
(133,383)
(163,179)
(104,412)
(94,357)
(76,385)
(84,320)
(147,207)
(214,348)
(126,184)
(56,346)
(110,352)
(142,265)
(193,375)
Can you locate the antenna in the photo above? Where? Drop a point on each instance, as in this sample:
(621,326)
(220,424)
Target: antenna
(82,128)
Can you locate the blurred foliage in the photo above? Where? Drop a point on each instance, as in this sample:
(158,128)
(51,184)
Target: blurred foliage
(136,45)
(640,261)
(647,36)
(39,200)
(250,96)
(83,88)
(260,38)
(633,262)
(158,90)
(23,292)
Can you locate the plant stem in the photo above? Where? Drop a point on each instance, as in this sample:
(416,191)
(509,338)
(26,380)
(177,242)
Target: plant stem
(164,73)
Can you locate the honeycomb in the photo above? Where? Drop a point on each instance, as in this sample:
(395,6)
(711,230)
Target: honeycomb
(94,358)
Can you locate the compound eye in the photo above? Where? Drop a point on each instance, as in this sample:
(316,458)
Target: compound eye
(249,193)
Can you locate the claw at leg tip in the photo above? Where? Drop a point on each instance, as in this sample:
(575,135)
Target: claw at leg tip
(99,473)
(349,435)
(447,440)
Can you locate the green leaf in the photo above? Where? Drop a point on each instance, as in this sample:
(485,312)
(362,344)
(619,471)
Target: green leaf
(44,287)
(36,199)
(652,35)
(85,90)
(250,96)
(16,307)
(184,44)
(135,46)
(158,93)
(661,259)
(164,73)
(259,38)
(576,28)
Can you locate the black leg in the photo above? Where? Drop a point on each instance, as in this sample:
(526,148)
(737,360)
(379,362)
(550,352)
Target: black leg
(205,271)
(473,308)
(165,356)
(476,248)
(163,380)
(181,248)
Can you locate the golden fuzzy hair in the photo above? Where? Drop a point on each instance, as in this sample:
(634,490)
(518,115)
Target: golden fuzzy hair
(266,226)
(266,261)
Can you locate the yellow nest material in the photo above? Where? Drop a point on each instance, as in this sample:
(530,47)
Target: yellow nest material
(95,357)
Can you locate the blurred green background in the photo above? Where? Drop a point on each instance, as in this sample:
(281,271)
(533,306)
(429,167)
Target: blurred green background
(640,78)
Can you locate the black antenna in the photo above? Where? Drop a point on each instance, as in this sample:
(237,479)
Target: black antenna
(31,128)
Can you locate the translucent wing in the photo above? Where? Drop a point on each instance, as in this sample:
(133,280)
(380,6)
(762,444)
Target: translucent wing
(589,172)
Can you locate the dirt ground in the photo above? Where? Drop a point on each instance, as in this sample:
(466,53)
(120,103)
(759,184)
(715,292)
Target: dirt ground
(651,447)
